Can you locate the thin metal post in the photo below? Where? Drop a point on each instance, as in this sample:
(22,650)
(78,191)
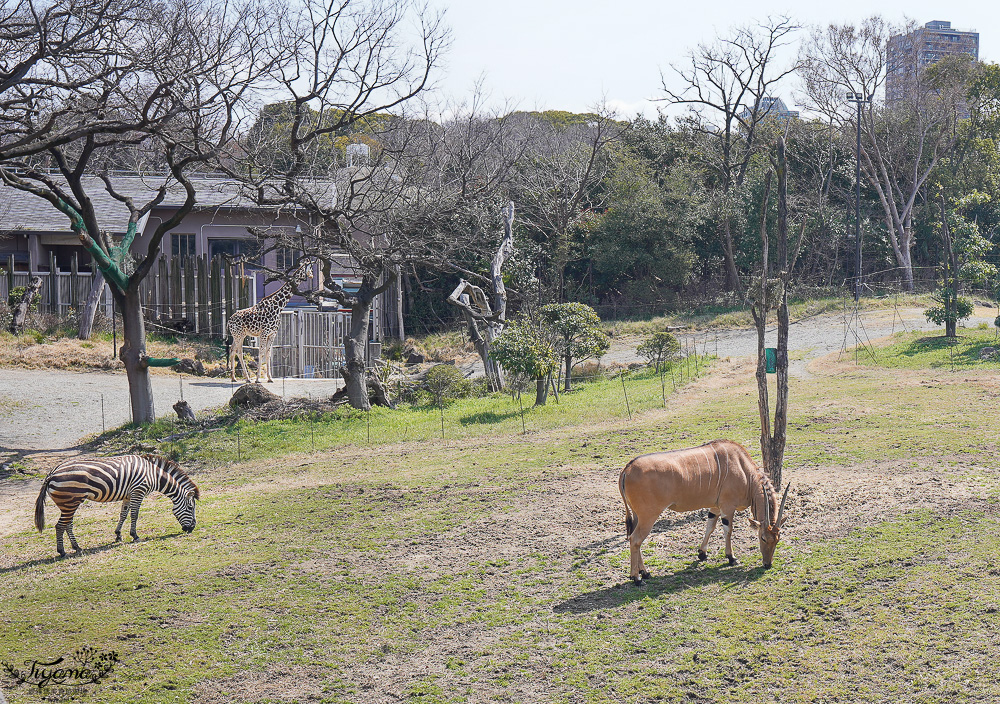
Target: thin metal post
(625,391)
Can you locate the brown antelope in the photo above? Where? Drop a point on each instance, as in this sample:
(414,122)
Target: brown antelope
(719,476)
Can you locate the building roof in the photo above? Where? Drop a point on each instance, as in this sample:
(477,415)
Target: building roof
(26,212)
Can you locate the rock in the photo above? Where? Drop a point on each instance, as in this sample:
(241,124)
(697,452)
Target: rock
(252,396)
(190,366)
(414,357)
(987,353)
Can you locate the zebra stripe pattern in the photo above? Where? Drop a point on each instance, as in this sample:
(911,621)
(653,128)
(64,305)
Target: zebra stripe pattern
(128,478)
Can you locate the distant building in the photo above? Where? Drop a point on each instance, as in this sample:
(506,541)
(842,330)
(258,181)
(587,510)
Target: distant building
(773,107)
(909,54)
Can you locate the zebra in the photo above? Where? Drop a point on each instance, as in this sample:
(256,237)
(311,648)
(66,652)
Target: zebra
(128,478)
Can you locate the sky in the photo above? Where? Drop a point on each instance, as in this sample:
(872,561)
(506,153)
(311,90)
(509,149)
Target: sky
(569,54)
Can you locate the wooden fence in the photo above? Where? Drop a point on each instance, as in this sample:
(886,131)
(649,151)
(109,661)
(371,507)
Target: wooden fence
(203,292)
(198,290)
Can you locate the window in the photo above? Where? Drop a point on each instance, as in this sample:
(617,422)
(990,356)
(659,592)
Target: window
(182,245)
(287,257)
(234,249)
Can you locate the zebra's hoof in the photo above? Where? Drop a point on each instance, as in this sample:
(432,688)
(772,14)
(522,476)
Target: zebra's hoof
(62,553)
(732,560)
(136,538)
(702,555)
(118,537)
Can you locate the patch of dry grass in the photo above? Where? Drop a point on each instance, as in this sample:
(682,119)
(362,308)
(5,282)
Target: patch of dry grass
(34,350)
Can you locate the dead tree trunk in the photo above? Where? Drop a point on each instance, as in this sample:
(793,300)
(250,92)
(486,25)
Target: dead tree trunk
(21,310)
(90,309)
(184,412)
(476,306)
(773,293)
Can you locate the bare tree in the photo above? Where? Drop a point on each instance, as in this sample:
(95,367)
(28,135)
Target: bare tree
(354,67)
(557,182)
(724,84)
(171,84)
(476,307)
(901,140)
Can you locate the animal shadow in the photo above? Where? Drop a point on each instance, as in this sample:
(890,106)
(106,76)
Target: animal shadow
(70,555)
(696,574)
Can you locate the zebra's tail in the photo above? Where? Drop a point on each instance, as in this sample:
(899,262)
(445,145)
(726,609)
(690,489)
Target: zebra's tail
(40,506)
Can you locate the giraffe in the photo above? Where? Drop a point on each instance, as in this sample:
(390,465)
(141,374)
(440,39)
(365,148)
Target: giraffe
(261,321)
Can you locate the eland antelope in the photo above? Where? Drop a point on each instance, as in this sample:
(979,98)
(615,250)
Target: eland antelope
(719,476)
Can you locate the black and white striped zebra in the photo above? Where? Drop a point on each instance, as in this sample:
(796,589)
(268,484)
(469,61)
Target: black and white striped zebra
(128,479)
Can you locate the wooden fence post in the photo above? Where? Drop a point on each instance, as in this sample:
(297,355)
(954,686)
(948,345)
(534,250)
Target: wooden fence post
(215,289)
(201,282)
(53,285)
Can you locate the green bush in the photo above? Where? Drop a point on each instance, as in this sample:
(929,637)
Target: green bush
(658,348)
(939,315)
(15,295)
(521,350)
(446,382)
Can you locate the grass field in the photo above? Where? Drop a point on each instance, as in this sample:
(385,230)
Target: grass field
(491,565)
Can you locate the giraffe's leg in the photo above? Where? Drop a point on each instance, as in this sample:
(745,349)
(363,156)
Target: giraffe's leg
(265,355)
(243,361)
(233,351)
(121,521)
(135,501)
(260,355)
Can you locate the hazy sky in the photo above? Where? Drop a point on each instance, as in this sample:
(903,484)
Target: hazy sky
(567,54)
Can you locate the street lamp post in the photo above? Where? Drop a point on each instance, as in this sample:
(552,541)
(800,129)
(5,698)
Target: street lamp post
(858,99)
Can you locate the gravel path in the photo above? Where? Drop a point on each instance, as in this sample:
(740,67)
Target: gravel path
(53,410)
(814,336)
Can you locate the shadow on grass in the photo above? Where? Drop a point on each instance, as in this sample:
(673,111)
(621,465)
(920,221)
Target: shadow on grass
(696,574)
(70,555)
(487,417)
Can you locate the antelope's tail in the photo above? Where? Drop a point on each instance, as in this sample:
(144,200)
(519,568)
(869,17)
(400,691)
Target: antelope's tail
(629,519)
(40,505)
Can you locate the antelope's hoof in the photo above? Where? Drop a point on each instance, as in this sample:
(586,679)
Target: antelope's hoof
(732,560)
(644,574)
(637,581)
(702,555)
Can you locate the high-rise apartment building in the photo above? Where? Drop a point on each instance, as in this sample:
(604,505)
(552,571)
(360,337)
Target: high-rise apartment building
(909,54)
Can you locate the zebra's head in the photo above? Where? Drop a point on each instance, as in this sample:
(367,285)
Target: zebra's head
(184,508)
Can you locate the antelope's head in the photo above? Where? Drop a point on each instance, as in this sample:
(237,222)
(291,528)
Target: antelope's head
(769,532)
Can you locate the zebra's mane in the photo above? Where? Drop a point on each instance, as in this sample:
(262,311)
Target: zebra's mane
(174,470)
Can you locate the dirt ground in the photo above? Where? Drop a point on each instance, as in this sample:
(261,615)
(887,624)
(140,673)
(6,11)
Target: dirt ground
(578,519)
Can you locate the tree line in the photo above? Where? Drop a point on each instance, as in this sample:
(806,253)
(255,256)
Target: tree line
(322,110)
